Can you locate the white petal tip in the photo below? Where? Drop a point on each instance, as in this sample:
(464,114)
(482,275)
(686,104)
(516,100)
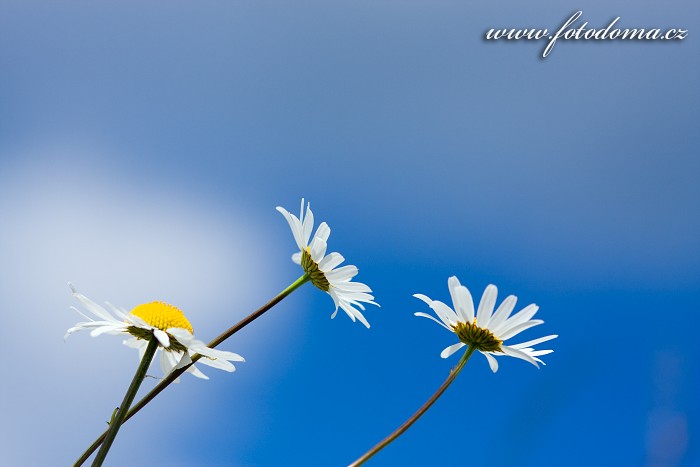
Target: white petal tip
(423,298)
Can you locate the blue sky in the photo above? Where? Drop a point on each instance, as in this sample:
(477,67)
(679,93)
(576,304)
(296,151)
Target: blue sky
(144,147)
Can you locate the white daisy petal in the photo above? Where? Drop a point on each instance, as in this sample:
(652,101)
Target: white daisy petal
(183,336)
(134,343)
(317,249)
(503,311)
(353,312)
(344,307)
(329,262)
(452,349)
(420,296)
(196,372)
(334,296)
(81,313)
(519,354)
(88,325)
(361,318)
(202,349)
(138,322)
(344,273)
(352,287)
(108,329)
(184,361)
(93,307)
(425,315)
(488,300)
(164,364)
(295,226)
(308,224)
(218,363)
(360,305)
(520,317)
(174,359)
(493,363)
(445,313)
(514,331)
(323,232)
(162,337)
(117,312)
(534,342)
(461,299)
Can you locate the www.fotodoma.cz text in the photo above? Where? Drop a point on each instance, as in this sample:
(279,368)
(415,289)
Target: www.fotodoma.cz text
(569,30)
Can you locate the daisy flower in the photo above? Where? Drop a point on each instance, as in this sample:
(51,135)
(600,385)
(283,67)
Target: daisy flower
(487,330)
(322,268)
(158,320)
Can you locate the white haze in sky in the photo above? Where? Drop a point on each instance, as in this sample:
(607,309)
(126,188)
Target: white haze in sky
(118,239)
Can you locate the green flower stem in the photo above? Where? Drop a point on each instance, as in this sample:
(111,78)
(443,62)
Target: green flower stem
(399,431)
(118,418)
(173,375)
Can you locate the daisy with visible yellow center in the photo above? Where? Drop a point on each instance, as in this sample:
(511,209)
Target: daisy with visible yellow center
(153,326)
(321,267)
(158,320)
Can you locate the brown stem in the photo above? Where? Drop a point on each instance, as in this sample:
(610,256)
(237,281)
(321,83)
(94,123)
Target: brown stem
(383,443)
(173,375)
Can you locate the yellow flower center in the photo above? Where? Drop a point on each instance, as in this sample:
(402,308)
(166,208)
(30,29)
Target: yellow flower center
(311,268)
(162,316)
(481,338)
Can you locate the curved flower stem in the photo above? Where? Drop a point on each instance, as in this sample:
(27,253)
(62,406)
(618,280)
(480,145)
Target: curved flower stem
(118,418)
(173,375)
(399,431)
